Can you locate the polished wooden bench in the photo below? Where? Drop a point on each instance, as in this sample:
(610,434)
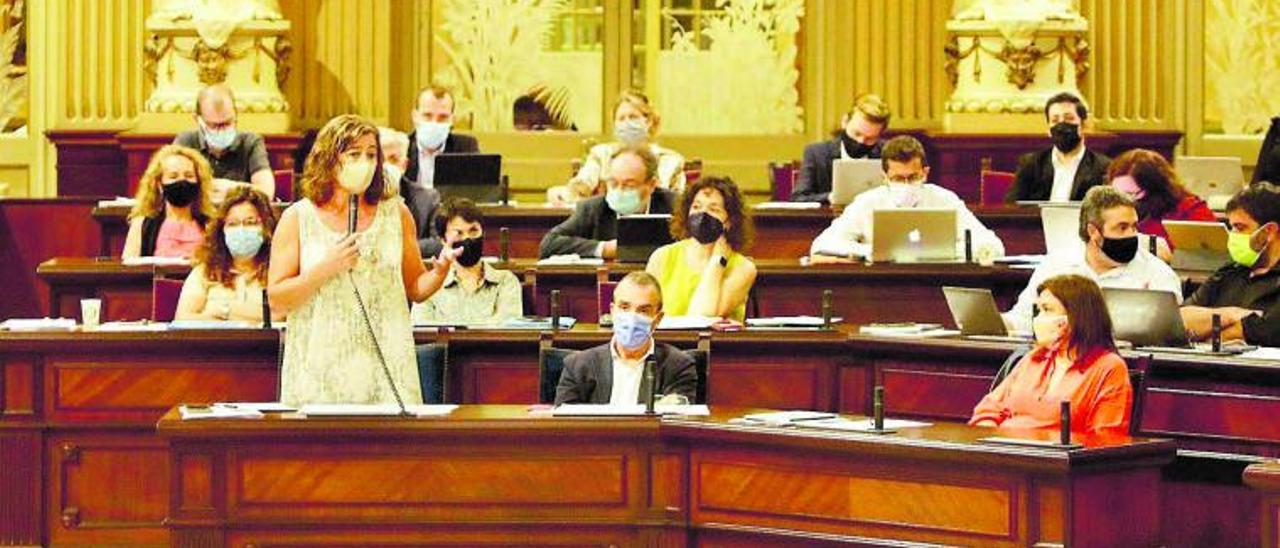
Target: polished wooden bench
(780,233)
(77,410)
(783,287)
(501,474)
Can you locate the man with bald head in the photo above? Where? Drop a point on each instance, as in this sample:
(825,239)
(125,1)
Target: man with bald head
(632,189)
(237,157)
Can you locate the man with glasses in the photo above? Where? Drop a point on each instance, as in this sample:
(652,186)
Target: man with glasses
(474,292)
(848,237)
(238,158)
(632,189)
(1245,293)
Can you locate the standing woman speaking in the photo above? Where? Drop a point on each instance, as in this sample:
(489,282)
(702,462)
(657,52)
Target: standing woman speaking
(346,295)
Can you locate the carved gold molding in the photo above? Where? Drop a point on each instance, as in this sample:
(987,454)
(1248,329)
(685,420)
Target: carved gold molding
(212,62)
(1020,62)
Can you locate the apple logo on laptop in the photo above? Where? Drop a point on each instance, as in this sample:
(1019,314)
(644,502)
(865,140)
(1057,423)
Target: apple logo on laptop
(914,236)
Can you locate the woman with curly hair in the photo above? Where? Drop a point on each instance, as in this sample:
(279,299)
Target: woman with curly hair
(704,273)
(172,206)
(347,294)
(231,269)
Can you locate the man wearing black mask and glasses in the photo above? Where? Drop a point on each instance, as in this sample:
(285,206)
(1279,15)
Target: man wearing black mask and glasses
(1065,171)
(474,292)
(1113,255)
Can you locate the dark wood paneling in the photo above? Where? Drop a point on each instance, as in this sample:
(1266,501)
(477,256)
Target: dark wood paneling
(31,232)
(90,162)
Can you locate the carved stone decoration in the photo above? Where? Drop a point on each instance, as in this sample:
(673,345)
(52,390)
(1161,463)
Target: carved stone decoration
(1039,48)
(282,51)
(211,62)
(1020,63)
(194,43)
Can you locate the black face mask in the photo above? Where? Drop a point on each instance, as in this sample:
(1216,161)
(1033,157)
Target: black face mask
(854,148)
(705,228)
(181,193)
(1066,137)
(1120,250)
(472,251)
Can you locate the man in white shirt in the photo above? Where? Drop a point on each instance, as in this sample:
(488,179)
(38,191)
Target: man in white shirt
(432,135)
(1112,255)
(1065,171)
(906,169)
(613,373)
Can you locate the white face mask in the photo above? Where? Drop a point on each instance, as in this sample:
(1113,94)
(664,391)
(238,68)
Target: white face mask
(432,135)
(355,176)
(906,194)
(1048,328)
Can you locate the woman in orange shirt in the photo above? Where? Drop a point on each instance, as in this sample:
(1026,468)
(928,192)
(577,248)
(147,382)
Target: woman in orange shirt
(1074,359)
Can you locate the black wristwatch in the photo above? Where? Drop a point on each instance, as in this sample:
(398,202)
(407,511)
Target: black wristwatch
(724,261)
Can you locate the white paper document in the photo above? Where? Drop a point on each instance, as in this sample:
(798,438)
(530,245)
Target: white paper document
(372,410)
(571,260)
(131,326)
(217,411)
(790,321)
(262,407)
(39,324)
(1262,353)
(784,418)
(788,205)
(685,322)
(860,425)
(156,261)
(623,410)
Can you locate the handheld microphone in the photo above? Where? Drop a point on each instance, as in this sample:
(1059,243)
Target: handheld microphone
(827,304)
(651,384)
(353,209)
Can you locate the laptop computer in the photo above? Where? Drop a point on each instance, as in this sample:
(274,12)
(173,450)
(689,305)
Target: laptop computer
(640,235)
(1214,178)
(851,177)
(1061,224)
(913,235)
(474,176)
(1145,317)
(1199,246)
(975,313)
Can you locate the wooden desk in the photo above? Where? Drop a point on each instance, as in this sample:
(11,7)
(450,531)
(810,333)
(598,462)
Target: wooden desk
(780,233)
(78,409)
(1266,479)
(783,287)
(125,290)
(499,475)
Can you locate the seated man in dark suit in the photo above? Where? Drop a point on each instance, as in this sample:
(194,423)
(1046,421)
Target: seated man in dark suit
(858,137)
(592,229)
(431,136)
(1065,171)
(614,372)
(1244,293)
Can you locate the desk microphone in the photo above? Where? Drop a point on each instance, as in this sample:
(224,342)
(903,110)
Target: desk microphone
(555,310)
(877,412)
(504,244)
(353,209)
(650,384)
(266,310)
(1064,427)
(1215,337)
(506,190)
(827,297)
(968,246)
